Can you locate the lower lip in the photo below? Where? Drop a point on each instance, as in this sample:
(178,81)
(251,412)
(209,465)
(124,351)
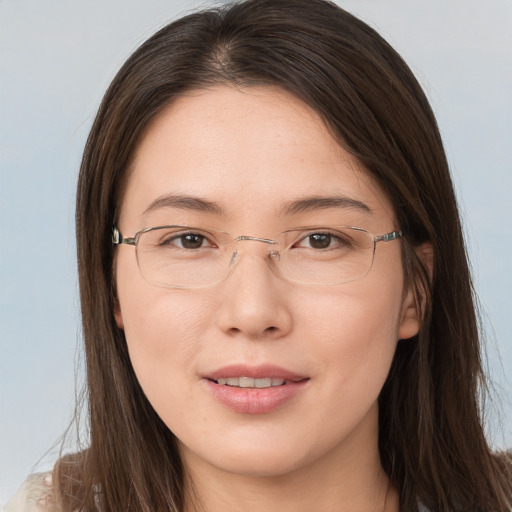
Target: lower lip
(254,400)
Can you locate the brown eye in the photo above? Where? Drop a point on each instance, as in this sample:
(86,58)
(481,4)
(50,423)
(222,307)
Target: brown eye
(191,241)
(320,240)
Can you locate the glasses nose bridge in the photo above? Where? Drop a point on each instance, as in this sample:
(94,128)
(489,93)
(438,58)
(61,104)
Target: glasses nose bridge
(244,238)
(274,254)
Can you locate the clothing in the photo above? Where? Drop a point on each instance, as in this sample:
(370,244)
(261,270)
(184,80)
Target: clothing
(35,495)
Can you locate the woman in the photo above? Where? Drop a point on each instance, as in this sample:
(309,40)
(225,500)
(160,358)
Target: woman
(283,333)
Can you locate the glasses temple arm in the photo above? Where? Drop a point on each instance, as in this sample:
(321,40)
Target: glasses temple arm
(388,237)
(117,238)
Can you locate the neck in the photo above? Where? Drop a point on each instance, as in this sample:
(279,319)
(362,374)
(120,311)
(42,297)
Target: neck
(348,478)
(288,494)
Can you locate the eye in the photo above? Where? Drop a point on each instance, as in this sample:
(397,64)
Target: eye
(191,241)
(319,240)
(188,241)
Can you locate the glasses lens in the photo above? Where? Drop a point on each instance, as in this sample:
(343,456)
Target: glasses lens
(327,255)
(181,257)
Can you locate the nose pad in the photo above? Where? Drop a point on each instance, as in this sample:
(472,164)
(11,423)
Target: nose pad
(233,259)
(273,255)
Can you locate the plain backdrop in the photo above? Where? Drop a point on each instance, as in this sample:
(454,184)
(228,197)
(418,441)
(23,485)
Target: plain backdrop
(56,59)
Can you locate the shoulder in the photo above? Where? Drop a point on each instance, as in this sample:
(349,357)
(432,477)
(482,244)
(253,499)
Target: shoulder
(35,495)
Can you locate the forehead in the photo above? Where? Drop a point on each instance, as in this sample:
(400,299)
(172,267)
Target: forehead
(250,151)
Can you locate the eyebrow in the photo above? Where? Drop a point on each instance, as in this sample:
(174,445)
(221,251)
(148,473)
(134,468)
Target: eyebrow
(309,204)
(303,205)
(184,203)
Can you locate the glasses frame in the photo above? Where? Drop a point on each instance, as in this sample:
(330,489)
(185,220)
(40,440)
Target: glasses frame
(118,239)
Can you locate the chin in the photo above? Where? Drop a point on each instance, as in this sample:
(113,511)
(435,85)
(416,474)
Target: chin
(262,465)
(256,459)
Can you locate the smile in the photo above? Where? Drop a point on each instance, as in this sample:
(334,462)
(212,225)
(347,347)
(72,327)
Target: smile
(258,389)
(250,382)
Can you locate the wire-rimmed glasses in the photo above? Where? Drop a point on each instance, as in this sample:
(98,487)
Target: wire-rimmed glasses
(177,256)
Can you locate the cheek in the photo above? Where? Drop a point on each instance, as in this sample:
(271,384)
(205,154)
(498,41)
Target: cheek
(355,332)
(164,336)
(164,331)
(354,340)
(160,327)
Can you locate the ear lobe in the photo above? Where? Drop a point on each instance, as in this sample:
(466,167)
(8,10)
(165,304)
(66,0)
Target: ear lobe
(409,320)
(117,315)
(415,300)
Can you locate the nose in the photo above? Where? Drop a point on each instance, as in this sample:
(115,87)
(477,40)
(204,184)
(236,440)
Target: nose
(255,301)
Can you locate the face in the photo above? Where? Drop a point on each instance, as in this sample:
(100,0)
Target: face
(237,158)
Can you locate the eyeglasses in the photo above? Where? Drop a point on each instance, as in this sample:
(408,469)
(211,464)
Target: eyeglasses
(192,257)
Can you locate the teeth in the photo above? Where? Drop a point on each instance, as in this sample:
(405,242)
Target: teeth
(262,383)
(249,382)
(245,382)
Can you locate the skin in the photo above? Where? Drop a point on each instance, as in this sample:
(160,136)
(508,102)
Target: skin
(250,151)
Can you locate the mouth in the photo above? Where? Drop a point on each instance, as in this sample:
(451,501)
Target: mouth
(251,382)
(255,389)
(254,377)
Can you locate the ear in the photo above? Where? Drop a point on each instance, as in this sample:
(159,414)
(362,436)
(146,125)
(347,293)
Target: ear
(117,314)
(415,299)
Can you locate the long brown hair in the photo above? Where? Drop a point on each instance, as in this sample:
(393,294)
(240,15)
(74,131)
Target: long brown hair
(431,438)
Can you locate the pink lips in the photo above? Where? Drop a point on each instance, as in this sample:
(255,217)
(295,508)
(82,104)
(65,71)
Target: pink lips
(255,400)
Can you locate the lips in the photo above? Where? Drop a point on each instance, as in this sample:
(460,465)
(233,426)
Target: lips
(266,371)
(254,390)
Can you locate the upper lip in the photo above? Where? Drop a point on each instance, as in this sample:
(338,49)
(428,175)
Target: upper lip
(256,372)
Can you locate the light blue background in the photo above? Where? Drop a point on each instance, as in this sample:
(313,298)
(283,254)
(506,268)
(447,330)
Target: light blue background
(56,59)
